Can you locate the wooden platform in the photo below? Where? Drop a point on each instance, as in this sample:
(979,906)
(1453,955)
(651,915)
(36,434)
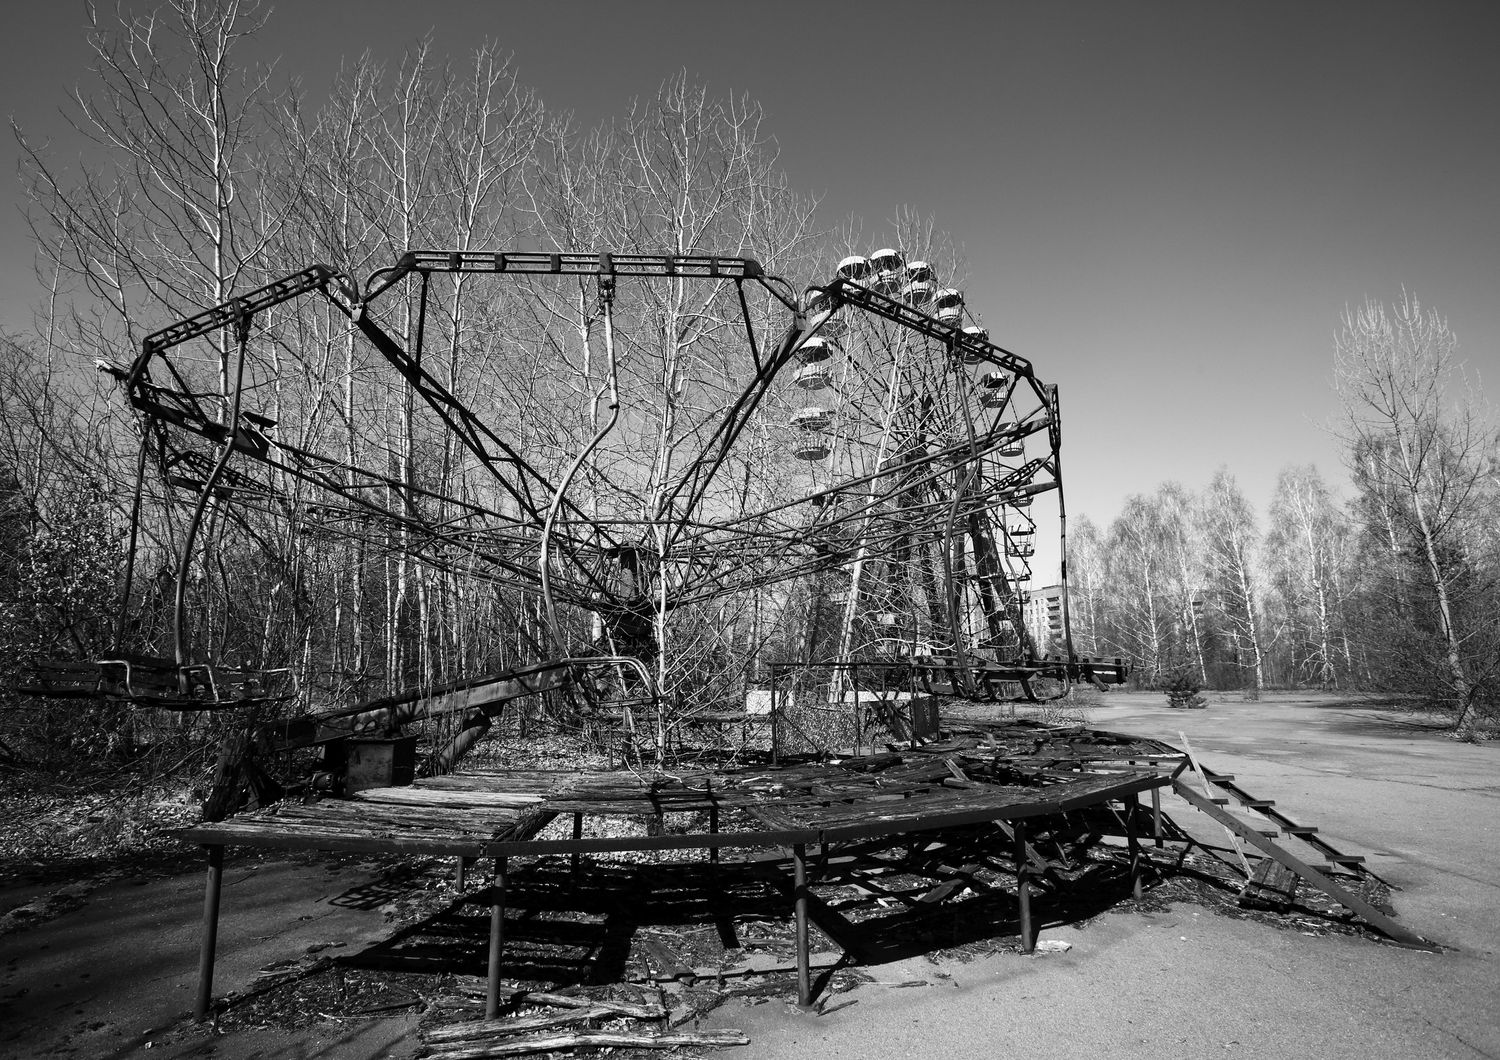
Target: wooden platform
(973,778)
(499,813)
(457,815)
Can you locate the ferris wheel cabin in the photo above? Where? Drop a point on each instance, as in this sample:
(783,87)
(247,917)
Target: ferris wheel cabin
(887,266)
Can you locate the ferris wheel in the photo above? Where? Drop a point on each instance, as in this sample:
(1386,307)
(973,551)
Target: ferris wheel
(924,448)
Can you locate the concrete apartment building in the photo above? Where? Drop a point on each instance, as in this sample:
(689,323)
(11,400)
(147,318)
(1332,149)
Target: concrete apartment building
(1044,618)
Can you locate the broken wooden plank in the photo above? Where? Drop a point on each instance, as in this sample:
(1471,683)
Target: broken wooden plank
(667,963)
(475,1030)
(513,995)
(594,1040)
(962,878)
(1273,887)
(1208,794)
(433,798)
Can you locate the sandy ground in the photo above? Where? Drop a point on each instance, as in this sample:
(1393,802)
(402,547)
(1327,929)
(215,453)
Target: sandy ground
(1425,811)
(114,976)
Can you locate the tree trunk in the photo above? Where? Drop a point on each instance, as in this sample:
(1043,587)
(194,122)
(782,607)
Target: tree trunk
(1463,723)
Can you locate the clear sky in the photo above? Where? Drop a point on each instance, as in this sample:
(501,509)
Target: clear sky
(1165,206)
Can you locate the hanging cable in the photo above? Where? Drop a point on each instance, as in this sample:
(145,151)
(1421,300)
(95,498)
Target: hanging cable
(135,524)
(606,303)
(180,632)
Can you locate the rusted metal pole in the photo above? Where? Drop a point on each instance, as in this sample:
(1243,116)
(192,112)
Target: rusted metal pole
(1156,815)
(713,828)
(778,701)
(497,939)
(213,885)
(459,871)
(577,834)
(857,713)
(1023,887)
(804,977)
(1132,810)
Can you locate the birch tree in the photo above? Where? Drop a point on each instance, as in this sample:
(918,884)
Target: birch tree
(1420,451)
(168,216)
(1137,577)
(1181,554)
(1230,539)
(1086,585)
(684,172)
(1306,525)
(172,219)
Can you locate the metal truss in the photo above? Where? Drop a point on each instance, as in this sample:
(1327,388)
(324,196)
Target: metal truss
(919,481)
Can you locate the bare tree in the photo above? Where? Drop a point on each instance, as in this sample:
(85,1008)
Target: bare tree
(684,172)
(172,220)
(1136,577)
(1302,543)
(1420,451)
(1086,584)
(1182,559)
(1230,538)
(171,217)
(61,550)
(1146,587)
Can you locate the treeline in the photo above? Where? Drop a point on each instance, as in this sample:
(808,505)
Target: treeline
(1395,588)
(208,177)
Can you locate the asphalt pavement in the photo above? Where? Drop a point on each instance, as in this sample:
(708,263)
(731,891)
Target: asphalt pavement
(1424,809)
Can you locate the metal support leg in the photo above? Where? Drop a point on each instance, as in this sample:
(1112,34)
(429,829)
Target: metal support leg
(1132,810)
(713,828)
(212,887)
(1023,887)
(804,976)
(1156,815)
(778,700)
(577,834)
(460,873)
(497,938)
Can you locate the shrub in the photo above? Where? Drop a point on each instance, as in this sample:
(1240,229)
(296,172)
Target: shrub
(1184,691)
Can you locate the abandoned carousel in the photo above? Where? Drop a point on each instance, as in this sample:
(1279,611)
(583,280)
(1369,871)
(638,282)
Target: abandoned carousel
(759,557)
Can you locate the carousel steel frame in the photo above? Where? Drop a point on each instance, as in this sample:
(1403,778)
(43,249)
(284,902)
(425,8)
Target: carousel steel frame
(939,477)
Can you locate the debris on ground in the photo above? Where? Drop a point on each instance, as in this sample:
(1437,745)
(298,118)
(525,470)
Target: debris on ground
(585,975)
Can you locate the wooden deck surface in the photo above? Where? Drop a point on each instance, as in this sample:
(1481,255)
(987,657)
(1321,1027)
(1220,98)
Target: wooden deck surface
(989,773)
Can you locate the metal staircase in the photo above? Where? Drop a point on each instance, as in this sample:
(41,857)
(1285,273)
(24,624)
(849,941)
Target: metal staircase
(1273,882)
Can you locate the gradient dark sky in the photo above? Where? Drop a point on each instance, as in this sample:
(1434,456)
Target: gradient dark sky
(1165,206)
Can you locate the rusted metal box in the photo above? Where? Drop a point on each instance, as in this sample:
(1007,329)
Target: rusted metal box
(379,763)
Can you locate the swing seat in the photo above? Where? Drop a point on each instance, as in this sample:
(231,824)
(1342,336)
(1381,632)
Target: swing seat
(208,687)
(1100,672)
(153,682)
(62,679)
